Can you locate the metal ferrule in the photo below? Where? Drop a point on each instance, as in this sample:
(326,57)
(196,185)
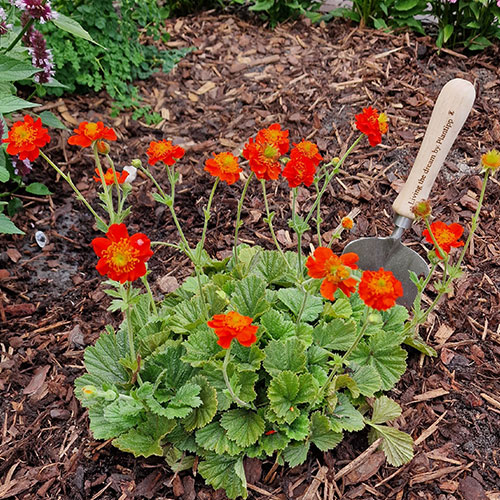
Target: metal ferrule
(402,223)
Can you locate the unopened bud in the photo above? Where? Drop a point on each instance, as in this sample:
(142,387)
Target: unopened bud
(335,161)
(422,209)
(103,147)
(136,163)
(347,223)
(132,173)
(89,391)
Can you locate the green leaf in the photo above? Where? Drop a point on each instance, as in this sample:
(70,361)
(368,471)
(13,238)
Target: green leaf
(181,405)
(11,103)
(285,355)
(271,266)
(345,417)
(321,433)
(223,471)
(7,226)
(243,426)
(202,415)
(124,410)
(13,70)
(249,297)
(397,445)
(181,439)
(338,335)
(274,442)
(417,342)
(340,308)
(367,379)
(71,26)
(298,429)
(201,347)
(395,318)
(146,439)
(447,32)
(50,120)
(277,325)
(296,453)
(382,352)
(293,299)
(4,173)
(177,460)
(384,409)
(406,4)
(345,381)
(188,316)
(247,358)
(38,188)
(102,428)
(213,437)
(103,360)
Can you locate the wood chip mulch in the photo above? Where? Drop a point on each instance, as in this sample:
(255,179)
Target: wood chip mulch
(242,77)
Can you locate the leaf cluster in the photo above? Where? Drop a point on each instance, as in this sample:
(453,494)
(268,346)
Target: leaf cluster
(294,389)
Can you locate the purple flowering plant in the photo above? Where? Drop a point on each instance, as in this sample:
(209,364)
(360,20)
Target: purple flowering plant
(25,58)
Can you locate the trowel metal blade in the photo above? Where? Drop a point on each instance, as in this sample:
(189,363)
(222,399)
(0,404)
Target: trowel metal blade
(393,256)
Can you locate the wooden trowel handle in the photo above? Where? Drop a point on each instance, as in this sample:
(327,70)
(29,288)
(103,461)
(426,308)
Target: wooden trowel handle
(452,107)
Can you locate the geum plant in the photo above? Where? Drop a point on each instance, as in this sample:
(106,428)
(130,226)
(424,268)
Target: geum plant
(266,353)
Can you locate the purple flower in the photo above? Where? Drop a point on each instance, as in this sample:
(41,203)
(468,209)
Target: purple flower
(41,57)
(4,27)
(36,9)
(21,167)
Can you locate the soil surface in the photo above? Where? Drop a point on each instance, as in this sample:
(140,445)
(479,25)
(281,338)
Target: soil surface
(242,77)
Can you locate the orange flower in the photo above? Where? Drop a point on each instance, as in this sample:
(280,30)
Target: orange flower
(231,326)
(372,124)
(306,149)
(446,235)
(347,223)
(89,132)
(274,135)
(299,170)
(164,151)
(225,166)
(379,289)
(336,271)
(491,160)
(26,138)
(122,257)
(263,159)
(109,176)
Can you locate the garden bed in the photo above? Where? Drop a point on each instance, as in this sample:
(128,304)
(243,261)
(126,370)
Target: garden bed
(241,77)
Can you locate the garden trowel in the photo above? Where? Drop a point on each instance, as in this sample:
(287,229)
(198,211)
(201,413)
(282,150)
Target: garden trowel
(450,112)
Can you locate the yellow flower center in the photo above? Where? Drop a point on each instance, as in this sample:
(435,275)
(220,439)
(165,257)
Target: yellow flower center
(121,255)
(336,271)
(23,135)
(382,123)
(270,152)
(444,237)
(227,162)
(90,129)
(235,320)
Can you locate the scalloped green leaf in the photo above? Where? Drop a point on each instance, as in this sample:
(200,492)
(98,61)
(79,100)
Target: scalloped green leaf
(201,347)
(298,429)
(293,299)
(337,335)
(271,266)
(213,437)
(367,379)
(340,308)
(345,417)
(321,433)
(384,410)
(243,426)
(204,414)
(102,428)
(282,392)
(296,453)
(395,318)
(249,297)
(396,444)
(188,316)
(274,442)
(247,358)
(277,325)
(289,354)
(345,381)
(382,352)
(226,472)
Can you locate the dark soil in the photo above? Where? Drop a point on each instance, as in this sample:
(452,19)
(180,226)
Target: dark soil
(240,78)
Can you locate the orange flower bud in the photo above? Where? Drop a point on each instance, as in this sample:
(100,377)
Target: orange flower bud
(347,223)
(422,209)
(103,147)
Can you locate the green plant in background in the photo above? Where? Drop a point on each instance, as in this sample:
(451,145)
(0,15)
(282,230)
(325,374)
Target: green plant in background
(276,11)
(472,24)
(25,60)
(119,58)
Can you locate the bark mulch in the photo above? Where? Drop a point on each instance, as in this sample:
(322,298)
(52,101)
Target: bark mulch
(242,77)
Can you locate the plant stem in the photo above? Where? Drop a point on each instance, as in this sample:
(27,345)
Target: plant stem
(207,218)
(130,329)
(318,214)
(79,195)
(107,192)
(235,398)
(299,234)
(238,217)
(303,305)
(150,293)
(118,187)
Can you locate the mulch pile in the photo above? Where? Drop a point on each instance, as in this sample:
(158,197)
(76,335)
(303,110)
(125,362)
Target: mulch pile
(240,78)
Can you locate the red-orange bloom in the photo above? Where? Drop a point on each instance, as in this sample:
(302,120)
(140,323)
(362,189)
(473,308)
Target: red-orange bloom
(274,135)
(109,176)
(379,289)
(231,326)
(164,151)
(306,149)
(299,169)
(26,138)
(122,257)
(446,235)
(225,166)
(89,132)
(347,223)
(263,159)
(335,270)
(372,124)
